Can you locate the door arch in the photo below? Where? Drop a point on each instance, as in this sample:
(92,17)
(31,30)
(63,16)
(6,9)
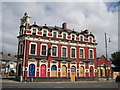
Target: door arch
(64,71)
(54,71)
(81,71)
(43,71)
(32,70)
(91,71)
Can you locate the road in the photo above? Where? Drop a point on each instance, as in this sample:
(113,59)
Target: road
(80,84)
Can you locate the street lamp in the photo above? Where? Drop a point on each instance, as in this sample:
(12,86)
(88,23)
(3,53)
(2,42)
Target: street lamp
(107,73)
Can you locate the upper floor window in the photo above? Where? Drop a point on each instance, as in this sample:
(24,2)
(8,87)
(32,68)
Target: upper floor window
(54,51)
(91,54)
(34,32)
(55,34)
(44,33)
(44,50)
(64,52)
(81,53)
(33,49)
(21,31)
(81,38)
(64,36)
(73,52)
(73,37)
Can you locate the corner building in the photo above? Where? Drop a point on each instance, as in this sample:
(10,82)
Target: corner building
(52,52)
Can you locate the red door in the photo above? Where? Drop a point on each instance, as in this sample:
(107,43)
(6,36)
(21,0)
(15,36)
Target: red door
(43,71)
(91,71)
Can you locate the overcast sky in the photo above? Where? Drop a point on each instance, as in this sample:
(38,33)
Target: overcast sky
(98,17)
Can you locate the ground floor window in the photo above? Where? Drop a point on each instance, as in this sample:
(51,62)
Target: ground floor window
(81,71)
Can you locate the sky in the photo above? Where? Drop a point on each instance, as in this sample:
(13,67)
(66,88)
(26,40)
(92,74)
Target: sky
(98,17)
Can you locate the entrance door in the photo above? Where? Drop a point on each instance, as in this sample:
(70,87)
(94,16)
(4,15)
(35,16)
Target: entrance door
(31,70)
(54,71)
(64,71)
(91,71)
(73,73)
(81,71)
(43,71)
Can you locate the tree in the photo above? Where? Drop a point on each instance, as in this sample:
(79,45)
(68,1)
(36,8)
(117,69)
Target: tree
(115,58)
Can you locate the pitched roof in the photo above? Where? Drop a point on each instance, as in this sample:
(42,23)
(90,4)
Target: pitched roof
(7,57)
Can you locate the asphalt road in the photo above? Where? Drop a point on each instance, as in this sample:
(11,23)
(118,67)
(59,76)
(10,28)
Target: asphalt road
(80,84)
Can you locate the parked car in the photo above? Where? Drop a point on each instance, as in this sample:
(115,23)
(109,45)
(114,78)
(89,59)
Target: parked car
(117,79)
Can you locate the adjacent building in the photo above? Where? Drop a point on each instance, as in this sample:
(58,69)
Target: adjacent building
(8,65)
(55,52)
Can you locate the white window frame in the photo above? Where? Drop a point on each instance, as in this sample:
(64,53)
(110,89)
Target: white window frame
(56,34)
(71,52)
(93,54)
(83,52)
(35,48)
(41,49)
(56,50)
(80,37)
(74,35)
(66,35)
(66,51)
(46,32)
(89,38)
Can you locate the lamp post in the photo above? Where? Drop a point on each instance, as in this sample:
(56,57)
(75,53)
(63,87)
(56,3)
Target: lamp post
(107,73)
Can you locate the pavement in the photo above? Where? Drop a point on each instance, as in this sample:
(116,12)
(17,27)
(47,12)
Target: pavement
(77,84)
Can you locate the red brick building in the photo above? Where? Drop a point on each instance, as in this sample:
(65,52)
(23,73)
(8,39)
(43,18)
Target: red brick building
(104,67)
(55,52)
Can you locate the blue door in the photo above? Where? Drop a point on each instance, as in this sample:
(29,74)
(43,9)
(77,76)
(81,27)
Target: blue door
(31,70)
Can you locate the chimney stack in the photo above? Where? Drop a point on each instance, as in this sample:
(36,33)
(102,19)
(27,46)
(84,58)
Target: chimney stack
(64,25)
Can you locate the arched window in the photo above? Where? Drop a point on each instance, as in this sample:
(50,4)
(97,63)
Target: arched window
(90,39)
(81,38)
(91,54)
(32,70)
(44,33)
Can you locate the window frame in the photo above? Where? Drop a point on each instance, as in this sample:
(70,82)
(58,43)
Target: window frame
(35,48)
(74,36)
(46,49)
(43,32)
(56,50)
(71,52)
(80,38)
(92,54)
(83,53)
(62,51)
(63,34)
(56,34)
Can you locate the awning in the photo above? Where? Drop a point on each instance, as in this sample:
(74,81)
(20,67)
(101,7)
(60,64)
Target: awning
(64,59)
(87,61)
(37,57)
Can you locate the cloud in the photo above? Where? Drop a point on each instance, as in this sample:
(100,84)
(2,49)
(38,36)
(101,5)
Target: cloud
(79,15)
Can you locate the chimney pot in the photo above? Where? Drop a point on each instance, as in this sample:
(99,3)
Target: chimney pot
(64,25)
(8,54)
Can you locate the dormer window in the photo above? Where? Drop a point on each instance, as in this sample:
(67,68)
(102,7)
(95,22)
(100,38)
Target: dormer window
(73,37)
(55,34)
(64,36)
(81,38)
(90,39)
(45,33)
(34,32)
